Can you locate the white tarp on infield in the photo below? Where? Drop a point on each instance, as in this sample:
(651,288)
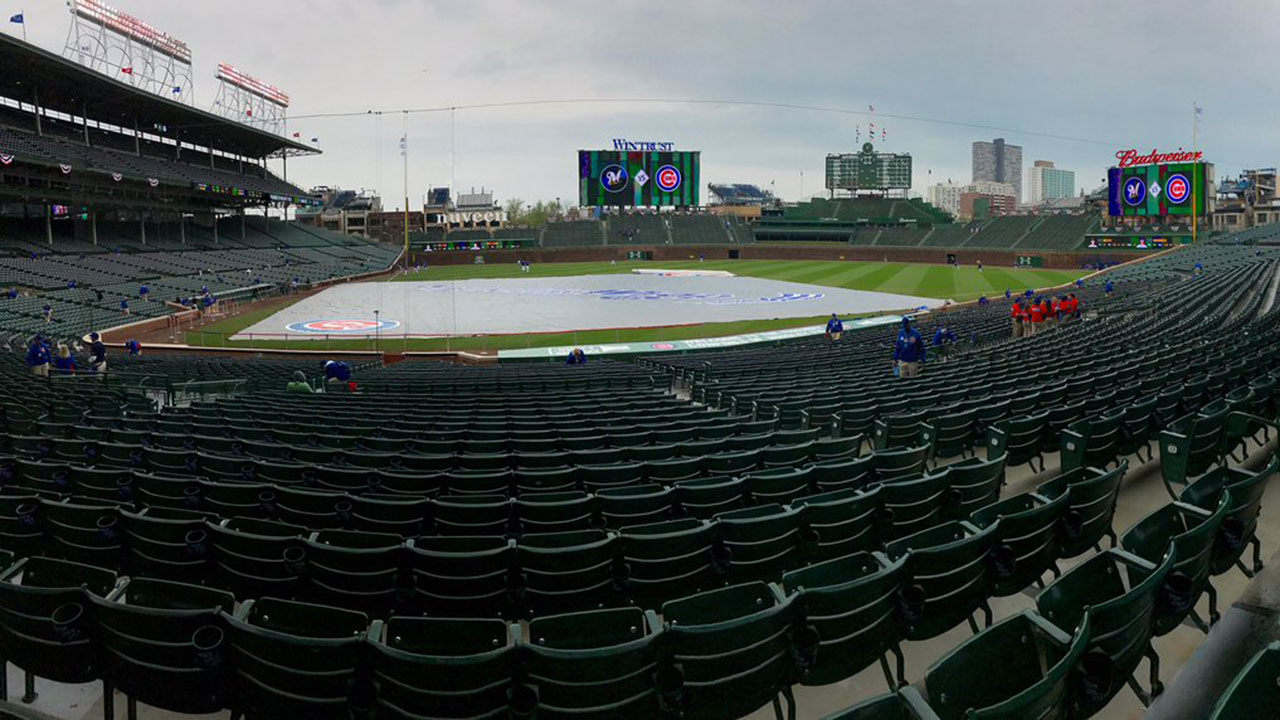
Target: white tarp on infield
(526,305)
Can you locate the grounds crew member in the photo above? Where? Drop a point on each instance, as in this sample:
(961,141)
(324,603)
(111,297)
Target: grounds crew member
(97,355)
(835,328)
(38,357)
(909,351)
(1019,316)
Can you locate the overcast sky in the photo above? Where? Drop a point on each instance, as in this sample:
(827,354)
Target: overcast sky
(1107,75)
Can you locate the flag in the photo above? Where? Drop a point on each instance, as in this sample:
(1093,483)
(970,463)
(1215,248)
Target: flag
(126,70)
(1199,110)
(176,89)
(297,135)
(249,112)
(315,140)
(872,108)
(17,19)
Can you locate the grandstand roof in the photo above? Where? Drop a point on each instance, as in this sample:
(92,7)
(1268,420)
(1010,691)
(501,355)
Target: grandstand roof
(67,86)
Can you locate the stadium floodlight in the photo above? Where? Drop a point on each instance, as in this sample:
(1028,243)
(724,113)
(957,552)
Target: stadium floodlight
(246,99)
(124,47)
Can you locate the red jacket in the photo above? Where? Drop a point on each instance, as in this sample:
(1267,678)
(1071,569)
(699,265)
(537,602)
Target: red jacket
(1037,312)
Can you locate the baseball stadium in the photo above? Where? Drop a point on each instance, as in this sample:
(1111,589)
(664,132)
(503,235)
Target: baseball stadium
(671,449)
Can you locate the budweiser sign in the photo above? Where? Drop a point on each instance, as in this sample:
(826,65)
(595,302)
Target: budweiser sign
(1129,158)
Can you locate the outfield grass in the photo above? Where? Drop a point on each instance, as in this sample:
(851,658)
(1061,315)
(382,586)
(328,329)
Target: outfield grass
(936,281)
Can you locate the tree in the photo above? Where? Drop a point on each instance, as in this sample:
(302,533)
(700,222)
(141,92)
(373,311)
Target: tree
(514,208)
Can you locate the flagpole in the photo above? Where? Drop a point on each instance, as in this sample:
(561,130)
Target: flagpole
(1195,147)
(24,24)
(405,154)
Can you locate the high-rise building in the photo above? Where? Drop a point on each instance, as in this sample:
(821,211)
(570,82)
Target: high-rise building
(945,197)
(997,161)
(998,199)
(1046,183)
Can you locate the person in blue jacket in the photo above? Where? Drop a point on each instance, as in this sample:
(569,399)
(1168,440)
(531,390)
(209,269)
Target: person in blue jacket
(336,371)
(38,357)
(943,336)
(835,328)
(576,357)
(1080,283)
(909,351)
(48,313)
(1110,288)
(13,293)
(983,301)
(144,292)
(134,347)
(1029,293)
(1008,294)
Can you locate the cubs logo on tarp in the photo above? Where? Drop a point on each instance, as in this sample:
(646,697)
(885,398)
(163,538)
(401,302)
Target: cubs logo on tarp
(6,159)
(614,178)
(1135,191)
(116,177)
(66,169)
(153,182)
(341,326)
(1177,189)
(668,178)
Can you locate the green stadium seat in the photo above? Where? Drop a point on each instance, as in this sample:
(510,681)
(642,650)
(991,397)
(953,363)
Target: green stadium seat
(761,541)
(851,602)
(1191,532)
(164,645)
(353,570)
(462,576)
(294,659)
(602,663)
(1239,528)
(1254,691)
(1027,539)
(561,572)
(946,578)
(1091,505)
(441,667)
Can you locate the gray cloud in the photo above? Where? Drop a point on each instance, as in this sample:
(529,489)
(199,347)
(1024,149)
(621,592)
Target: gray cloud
(1123,73)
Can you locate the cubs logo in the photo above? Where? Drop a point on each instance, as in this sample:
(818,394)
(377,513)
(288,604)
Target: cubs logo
(1135,191)
(668,178)
(338,327)
(614,178)
(1177,189)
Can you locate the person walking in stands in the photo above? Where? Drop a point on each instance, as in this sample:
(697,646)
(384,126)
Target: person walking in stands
(576,357)
(13,293)
(134,347)
(298,384)
(64,363)
(909,351)
(1037,318)
(144,292)
(38,357)
(1008,294)
(1080,283)
(1019,316)
(336,371)
(124,306)
(983,301)
(835,328)
(1074,306)
(1110,288)
(48,313)
(97,355)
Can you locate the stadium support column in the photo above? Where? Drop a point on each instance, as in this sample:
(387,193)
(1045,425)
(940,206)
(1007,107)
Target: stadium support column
(85,117)
(142,227)
(214,213)
(48,223)
(35,97)
(93,225)
(243,234)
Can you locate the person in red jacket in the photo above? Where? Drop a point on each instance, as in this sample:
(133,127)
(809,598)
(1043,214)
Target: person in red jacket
(1018,315)
(1037,316)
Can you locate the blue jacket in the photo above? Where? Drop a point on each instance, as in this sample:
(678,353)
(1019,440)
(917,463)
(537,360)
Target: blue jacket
(575,360)
(834,325)
(1008,293)
(337,371)
(65,365)
(983,300)
(910,346)
(1110,287)
(37,354)
(943,336)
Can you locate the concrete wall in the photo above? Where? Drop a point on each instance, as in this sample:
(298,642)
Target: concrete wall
(835,251)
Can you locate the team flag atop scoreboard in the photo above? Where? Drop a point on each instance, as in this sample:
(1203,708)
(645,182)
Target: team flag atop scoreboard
(1173,189)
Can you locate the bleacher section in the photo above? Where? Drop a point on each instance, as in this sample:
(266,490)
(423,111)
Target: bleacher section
(638,229)
(950,235)
(264,257)
(1001,232)
(700,229)
(572,233)
(901,235)
(50,151)
(1059,232)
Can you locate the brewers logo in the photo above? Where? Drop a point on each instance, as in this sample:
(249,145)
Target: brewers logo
(1135,191)
(668,178)
(614,178)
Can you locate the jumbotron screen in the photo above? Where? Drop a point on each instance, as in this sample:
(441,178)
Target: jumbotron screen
(1157,190)
(612,178)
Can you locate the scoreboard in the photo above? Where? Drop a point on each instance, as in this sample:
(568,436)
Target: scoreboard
(1174,189)
(619,178)
(869,170)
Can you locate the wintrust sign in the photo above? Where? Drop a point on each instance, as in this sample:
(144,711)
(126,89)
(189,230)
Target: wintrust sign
(1129,158)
